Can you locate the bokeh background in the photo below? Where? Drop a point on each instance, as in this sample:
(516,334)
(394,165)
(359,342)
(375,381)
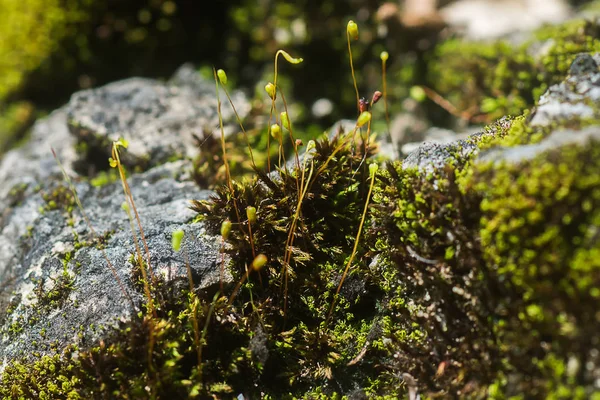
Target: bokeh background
(52,48)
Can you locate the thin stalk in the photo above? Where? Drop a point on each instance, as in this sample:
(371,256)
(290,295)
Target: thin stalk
(140,261)
(194,299)
(222,270)
(385,101)
(352,70)
(92,231)
(239,120)
(292,141)
(129,196)
(225,162)
(204,332)
(238,286)
(290,242)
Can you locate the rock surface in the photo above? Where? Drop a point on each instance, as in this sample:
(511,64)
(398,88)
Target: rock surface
(158,119)
(55,282)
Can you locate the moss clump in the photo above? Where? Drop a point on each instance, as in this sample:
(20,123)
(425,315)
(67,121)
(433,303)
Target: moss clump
(538,234)
(59,198)
(47,378)
(472,281)
(504,79)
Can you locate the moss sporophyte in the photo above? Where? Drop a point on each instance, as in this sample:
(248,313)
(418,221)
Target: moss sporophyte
(345,272)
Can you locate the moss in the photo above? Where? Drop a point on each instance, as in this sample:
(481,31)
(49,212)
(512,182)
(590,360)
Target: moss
(539,218)
(59,197)
(48,378)
(60,289)
(474,281)
(16,194)
(15,119)
(480,78)
(104,178)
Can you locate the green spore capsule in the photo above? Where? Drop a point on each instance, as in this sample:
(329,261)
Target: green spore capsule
(222,77)
(225,229)
(176,239)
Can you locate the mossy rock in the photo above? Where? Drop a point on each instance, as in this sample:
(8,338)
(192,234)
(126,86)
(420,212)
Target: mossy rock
(479,77)
(475,276)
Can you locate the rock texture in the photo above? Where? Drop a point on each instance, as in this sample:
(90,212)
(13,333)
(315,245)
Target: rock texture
(56,286)
(158,119)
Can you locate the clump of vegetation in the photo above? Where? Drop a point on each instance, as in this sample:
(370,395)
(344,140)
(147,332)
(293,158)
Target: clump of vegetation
(538,223)
(360,277)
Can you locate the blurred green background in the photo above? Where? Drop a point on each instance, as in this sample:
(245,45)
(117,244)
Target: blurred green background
(51,48)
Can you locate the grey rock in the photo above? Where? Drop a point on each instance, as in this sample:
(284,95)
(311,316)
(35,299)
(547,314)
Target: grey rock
(158,119)
(430,157)
(94,297)
(583,64)
(22,171)
(56,287)
(557,139)
(575,97)
(436,135)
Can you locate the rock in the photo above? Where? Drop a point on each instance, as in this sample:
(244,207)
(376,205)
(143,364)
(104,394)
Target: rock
(488,19)
(158,119)
(573,98)
(438,136)
(432,157)
(56,287)
(557,139)
(54,256)
(584,63)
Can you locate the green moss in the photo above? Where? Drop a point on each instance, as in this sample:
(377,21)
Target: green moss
(473,280)
(16,194)
(30,33)
(104,178)
(46,378)
(15,119)
(59,197)
(497,79)
(539,218)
